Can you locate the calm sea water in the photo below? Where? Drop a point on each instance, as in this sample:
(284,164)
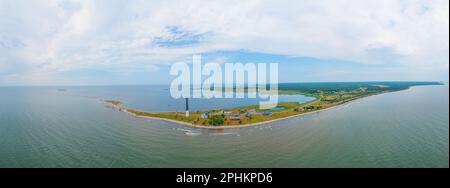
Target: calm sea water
(44,127)
(158,98)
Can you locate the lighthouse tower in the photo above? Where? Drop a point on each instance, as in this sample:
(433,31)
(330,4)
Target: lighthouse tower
(187,107)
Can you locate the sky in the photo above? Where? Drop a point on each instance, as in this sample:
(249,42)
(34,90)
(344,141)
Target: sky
(117,42)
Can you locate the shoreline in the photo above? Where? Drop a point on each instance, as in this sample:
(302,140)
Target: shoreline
(123,109)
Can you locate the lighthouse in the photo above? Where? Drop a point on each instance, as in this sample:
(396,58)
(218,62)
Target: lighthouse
(187,107)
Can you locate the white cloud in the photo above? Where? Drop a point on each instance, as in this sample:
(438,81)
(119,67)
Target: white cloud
(48,36)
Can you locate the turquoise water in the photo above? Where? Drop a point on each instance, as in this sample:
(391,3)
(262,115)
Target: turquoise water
(278,108)
(44,127)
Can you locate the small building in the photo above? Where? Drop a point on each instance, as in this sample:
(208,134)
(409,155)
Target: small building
(267,113)
(205,115)
(300,109)
(227,112)
(309,107)
(252,111)
(235,118)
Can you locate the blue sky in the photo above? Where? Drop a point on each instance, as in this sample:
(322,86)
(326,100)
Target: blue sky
(108,42)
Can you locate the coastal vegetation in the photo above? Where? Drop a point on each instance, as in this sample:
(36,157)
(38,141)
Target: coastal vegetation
(326,95)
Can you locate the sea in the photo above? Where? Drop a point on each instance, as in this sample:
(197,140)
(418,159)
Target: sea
(71,127)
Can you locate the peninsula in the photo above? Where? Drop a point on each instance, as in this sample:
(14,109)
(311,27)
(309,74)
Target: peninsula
(327,95)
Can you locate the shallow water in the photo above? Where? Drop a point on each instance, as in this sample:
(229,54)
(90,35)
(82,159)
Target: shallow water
(44,127)
(158,98)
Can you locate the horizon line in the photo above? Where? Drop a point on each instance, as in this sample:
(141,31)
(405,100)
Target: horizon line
(160,84)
